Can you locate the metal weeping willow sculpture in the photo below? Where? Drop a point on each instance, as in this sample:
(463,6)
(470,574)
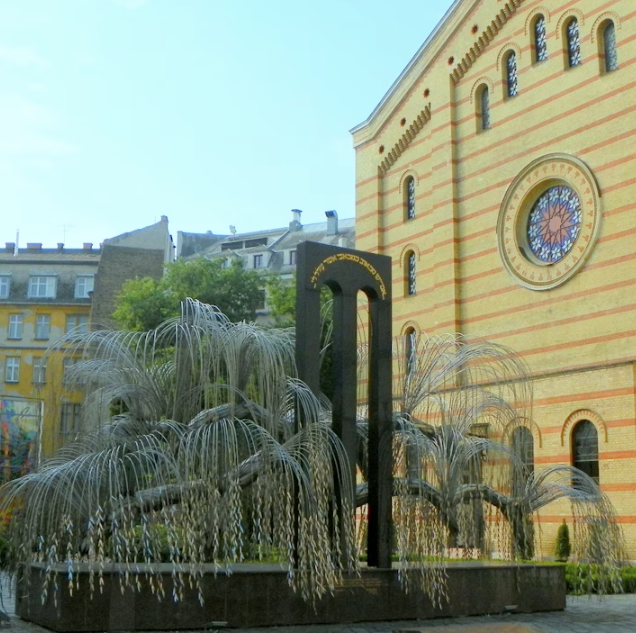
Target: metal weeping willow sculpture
(217,453)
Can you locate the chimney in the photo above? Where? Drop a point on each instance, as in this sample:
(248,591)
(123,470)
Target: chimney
(9,247)
(332,222)
(88,246)
(164,218)
(60,246)
(295,224)
(34,246)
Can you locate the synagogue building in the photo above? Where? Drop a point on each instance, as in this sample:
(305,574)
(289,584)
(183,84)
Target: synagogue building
(499,174)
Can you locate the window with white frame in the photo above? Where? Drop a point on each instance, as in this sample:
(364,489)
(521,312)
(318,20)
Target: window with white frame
(77,323)
(42,286)
(12,370)
(15,326)
(70,417)
(83,285)
(42,326)
(39,370)
(5,285)
(258,261)
(292,258)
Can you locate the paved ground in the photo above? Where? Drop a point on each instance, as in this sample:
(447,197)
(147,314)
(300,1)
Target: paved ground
(612,614)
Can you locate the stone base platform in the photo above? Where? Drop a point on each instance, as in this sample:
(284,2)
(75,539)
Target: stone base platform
(258,595)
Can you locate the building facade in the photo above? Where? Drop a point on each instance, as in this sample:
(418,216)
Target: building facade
(45,294)
(268,252)
(498,173)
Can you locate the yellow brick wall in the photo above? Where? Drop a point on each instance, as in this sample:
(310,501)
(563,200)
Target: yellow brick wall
(578,338)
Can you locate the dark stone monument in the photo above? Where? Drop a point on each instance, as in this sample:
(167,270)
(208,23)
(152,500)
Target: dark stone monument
(259,595)
(346,272)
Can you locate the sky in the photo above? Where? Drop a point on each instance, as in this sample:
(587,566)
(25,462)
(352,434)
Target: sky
(211,112)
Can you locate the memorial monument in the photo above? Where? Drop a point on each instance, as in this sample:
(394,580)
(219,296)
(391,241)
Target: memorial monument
(224,489)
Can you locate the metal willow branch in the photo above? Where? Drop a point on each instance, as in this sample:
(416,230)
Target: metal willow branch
(217,453)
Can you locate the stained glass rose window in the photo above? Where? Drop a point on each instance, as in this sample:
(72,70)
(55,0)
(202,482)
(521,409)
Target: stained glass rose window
(554,224)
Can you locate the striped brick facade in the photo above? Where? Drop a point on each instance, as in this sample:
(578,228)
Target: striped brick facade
(578,338)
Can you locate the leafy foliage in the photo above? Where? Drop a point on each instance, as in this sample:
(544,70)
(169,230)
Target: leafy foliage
(592,579)
(281,300)
(144,304)
(563,547)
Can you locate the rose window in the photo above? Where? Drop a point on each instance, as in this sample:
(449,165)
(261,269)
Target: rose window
(554,224)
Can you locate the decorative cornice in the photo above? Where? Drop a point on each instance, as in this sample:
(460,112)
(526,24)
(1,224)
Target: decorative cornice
(428,46)
(405,140)
(484,40)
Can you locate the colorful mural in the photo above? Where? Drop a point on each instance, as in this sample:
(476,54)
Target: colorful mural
(19,436)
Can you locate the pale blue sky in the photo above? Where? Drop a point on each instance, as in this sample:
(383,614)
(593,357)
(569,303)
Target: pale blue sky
(212,112)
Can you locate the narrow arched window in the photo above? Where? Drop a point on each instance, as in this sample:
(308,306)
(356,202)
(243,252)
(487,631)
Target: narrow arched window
(483,113)
(609,47)
(573,42)
(409,197)
(411,274)
(585,448)
(410,357)
(512,87)
(523,449)
(540,39)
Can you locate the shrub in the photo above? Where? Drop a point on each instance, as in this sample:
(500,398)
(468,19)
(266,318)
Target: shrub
(563,547)
(579,580)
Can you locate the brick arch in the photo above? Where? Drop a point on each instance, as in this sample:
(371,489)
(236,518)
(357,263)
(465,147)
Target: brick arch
(608,15)
(583,414)
(570,13)
(529,424)
(480,82)
(405,175)
(406,249)
(410,324)
(509,46)
(544,11)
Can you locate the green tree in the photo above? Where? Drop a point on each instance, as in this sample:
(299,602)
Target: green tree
(281,300)
(563,547)
(145,303)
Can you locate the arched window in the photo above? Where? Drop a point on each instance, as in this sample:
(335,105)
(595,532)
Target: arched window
(409,198)
(585,448)
(573,43)
(410,356)
(511,74)
(483,109)
(411,274)
(540,40)
(610,55)
(523,449)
